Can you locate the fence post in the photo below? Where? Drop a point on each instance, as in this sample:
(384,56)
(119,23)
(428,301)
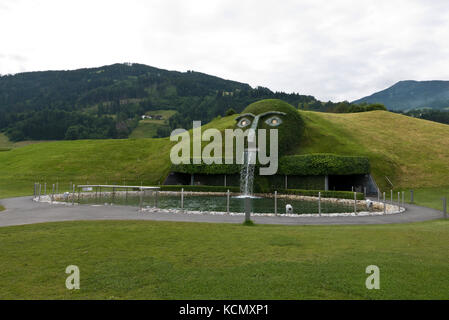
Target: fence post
(399,201)
(73,195)
(45,188)
(445,207)
(141,199)
(52,193)
(378,195)
(182,198)
(319,203)
(39,199)
(385,204)
(276,202)
(155,200)
(411,196)
(247,210)
(391,197)
(355,202)
(227,201)
(126,195)
(403,193)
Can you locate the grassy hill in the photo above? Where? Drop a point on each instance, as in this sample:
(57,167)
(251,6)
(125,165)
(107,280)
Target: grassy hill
(412,153)
(107,102)
(147,128)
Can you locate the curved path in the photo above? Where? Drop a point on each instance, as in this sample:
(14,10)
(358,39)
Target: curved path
(23,210)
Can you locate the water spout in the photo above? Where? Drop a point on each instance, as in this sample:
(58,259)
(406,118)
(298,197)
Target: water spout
(247,173)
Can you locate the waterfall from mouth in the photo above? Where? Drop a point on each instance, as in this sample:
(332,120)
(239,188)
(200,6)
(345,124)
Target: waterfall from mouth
(249,162)
(247,173)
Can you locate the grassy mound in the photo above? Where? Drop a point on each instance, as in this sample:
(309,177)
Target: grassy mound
(291,128)
(412,153)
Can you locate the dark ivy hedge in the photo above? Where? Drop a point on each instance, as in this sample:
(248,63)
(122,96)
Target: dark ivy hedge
(301,165)
(207,168)
(323,164)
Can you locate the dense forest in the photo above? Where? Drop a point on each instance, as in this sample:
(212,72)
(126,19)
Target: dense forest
(107,102)
(441,116)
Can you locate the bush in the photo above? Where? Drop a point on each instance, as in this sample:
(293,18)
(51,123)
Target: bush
(207,169)
(299,165)
(323,164)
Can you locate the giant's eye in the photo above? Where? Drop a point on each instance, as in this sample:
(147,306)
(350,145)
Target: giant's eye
(273,121)
(244,122)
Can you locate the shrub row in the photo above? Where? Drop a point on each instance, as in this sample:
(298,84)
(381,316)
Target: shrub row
(206,168)
(302,165)
(323,164)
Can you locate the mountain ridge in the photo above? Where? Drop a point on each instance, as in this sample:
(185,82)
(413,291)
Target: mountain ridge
(407,95)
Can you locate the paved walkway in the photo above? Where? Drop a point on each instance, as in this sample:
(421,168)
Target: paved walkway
(23,210)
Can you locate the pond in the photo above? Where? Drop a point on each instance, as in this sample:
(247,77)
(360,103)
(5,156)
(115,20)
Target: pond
(218,203)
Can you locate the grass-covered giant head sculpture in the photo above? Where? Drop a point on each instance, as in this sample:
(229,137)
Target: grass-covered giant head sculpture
(274,114)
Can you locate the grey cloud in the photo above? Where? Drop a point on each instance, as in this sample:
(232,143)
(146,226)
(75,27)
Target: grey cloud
(335,50)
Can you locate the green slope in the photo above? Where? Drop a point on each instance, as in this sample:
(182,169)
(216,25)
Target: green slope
(412,153)
(81,161)
(147,128)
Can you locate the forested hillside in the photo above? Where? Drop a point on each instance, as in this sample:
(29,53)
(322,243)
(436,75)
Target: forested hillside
(107,102)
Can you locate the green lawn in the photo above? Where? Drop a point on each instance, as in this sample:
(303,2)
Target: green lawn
(2,208)
(429,197)
(166,260)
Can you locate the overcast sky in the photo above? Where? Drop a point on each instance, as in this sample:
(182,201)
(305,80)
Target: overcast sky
(334,50)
